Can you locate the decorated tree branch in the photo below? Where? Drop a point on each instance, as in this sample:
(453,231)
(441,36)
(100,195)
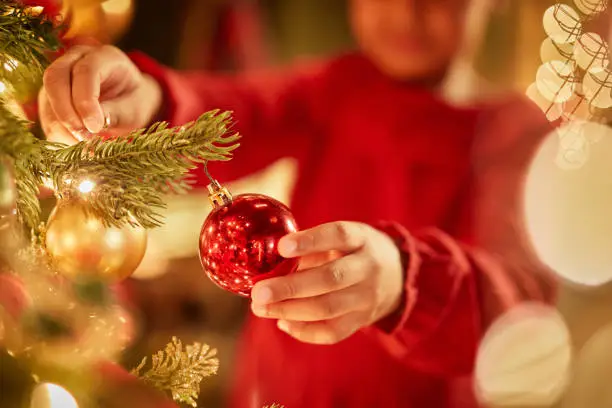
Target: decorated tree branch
(58,313)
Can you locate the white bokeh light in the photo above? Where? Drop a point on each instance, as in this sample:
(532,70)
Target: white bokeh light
(524,359)
(562,23)
(552,110)
(86,186)
(590,386)
(52,396)
(551,51)
(590,7)
(591,51)
(597,87)
(567,212)
(555,81)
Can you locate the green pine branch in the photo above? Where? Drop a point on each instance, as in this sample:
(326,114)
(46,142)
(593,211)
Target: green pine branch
(133,173)
(25,40)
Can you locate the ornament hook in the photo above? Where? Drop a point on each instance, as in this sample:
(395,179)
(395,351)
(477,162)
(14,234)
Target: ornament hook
(217,194)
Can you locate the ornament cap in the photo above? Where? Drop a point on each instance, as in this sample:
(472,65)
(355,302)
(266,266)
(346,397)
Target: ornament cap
(218,195)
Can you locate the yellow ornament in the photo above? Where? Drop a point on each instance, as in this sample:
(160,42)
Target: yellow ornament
(81,246)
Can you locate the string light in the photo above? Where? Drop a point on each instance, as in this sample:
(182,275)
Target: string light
(86,186)
(52,396)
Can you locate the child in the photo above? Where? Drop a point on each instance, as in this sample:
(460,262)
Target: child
(395,317)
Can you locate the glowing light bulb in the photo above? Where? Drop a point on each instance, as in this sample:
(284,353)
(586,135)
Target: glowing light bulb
(2,87)
(86,186)
(52,396)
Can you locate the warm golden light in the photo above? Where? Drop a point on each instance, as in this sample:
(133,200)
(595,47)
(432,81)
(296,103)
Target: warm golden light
(562,23)
(551,51)
(591,51)
(553,110)
(567,204)
(555,81)
(11,64)
(52,396)
(86,186)
(524,359)
(2,87)
(116,6)
(597,87)
(590,7)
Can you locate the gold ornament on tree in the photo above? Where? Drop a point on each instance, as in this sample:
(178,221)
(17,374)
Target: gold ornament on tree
(83,246)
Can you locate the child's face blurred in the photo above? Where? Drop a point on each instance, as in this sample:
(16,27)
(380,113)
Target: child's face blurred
(409,39)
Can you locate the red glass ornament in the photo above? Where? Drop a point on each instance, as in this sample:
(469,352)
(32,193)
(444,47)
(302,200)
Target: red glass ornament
(238,241)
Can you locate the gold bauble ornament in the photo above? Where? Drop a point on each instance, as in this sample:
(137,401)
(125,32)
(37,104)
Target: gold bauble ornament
(82,247)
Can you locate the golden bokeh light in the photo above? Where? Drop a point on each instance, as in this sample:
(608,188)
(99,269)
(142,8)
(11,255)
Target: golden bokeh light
(591,51)
(597,87)
(567,211)
(524,359)
(551,51)
(49,395)
(590,385)
(562,23)
(552,110)
(555,81)
(590,7)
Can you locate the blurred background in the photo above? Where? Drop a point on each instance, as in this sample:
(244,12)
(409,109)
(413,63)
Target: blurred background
(173,296)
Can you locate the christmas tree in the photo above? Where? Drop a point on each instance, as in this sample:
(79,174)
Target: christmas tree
(59,316)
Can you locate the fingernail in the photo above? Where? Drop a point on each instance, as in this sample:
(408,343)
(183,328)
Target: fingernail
(287,246)
(93,124)
(258,310)
(81,135)
(283,325)
(261,295)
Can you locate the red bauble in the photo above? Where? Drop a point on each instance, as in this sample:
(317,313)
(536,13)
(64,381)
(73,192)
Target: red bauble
(238,241)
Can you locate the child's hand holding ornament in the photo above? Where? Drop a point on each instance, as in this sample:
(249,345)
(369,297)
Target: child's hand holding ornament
(330,299)
(350,274)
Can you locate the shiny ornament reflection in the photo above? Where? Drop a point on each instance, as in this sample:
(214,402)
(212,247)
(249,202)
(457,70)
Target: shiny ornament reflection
(238,242)
(81,246)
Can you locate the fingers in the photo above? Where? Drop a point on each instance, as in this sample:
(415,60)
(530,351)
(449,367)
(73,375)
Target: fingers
(54,130)
(314,260)
(88,73)
(340,236)
(318,308)
(339,274)
(57,84)
(324,332)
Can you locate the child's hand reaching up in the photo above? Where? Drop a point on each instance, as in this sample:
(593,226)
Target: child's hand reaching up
(95,88)
(350,277)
